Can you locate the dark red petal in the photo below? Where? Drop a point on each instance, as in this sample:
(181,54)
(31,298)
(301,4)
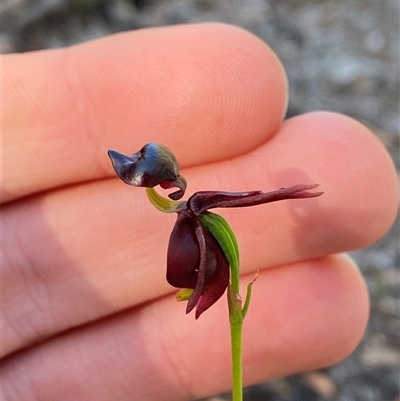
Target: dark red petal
(183,257)
(206,263)
(216,284)
(204,200)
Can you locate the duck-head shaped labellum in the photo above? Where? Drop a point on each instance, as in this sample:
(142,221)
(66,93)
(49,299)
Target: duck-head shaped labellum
(153,165)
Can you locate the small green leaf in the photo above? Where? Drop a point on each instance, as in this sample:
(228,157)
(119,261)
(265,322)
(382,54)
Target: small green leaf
(248,295)
(163,204)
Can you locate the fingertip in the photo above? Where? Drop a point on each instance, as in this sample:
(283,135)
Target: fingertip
(353,167)
(212,91)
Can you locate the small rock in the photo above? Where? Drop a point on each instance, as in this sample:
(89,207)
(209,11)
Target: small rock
(377,355)
(390,306)
(321,384)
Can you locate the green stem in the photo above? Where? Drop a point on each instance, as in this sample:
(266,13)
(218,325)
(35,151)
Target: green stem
(236,317)
(236,347)
(236,324)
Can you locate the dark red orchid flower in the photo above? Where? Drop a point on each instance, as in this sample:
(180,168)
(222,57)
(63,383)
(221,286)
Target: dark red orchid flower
(195,259)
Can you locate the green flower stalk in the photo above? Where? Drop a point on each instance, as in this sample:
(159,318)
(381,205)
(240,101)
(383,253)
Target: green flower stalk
(203,253)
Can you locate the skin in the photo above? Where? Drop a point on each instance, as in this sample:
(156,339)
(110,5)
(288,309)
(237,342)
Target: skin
(87,313)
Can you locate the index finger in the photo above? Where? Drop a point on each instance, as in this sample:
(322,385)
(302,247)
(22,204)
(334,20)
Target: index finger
(208,91)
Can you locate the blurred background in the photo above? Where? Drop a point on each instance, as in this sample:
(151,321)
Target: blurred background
(339,55)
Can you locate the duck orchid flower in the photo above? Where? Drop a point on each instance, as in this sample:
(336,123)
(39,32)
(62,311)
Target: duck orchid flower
(202,247)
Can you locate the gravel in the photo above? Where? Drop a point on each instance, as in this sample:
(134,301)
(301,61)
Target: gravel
(339,55)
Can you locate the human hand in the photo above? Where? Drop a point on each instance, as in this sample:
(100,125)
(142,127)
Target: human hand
(87,313)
